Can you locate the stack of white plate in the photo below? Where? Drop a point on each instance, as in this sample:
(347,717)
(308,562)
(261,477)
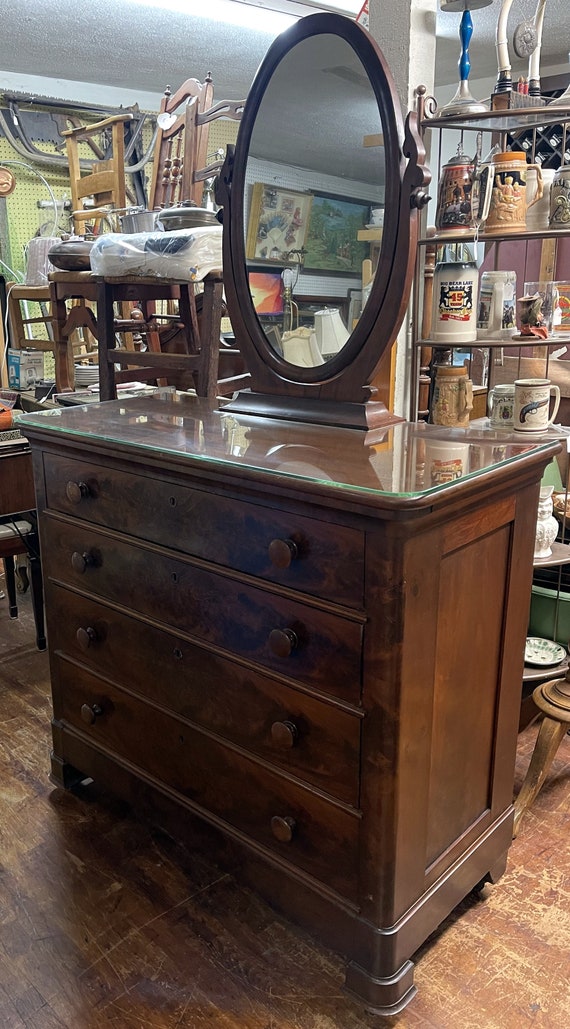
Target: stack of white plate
(86,374)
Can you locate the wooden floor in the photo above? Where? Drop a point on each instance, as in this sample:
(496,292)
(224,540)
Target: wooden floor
(107,922)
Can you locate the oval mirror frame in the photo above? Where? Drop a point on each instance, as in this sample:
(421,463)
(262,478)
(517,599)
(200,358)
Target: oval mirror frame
(338,391)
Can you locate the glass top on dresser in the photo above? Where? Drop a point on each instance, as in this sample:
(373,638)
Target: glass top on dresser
(413,460)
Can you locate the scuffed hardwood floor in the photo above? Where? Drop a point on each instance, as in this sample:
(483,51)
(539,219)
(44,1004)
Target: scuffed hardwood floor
(105,921)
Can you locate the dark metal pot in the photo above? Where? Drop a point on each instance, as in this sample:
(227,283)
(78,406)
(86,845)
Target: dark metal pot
(186,216)
(72,255)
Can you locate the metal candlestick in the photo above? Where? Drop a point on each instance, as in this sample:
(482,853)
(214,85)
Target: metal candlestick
(463,104)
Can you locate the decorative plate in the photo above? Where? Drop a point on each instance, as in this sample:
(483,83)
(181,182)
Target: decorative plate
(7,182)
(542,652)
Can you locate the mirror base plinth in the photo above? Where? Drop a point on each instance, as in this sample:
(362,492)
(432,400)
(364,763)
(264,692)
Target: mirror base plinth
(370,417)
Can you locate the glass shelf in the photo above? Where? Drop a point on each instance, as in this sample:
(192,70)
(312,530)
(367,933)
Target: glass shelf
(440,239)
(513,343)
(503,121)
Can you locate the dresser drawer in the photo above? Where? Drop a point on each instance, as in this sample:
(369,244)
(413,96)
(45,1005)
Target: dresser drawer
(304,643)
(315,741)
(302,553)
(300,826)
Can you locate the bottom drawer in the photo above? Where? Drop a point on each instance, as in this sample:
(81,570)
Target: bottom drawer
(300,826)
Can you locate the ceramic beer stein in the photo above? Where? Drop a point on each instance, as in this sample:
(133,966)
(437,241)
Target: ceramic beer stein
(538,208)
(560,198)
(463,195)
(500,405)
(509,204)
(496,313)
(453,211)
(455,282)
(452,397)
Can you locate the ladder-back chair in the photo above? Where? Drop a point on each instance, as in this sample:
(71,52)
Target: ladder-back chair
(180,165)
(105,183)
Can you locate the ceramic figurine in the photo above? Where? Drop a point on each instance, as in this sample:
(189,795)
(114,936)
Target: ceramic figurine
(546,526)
(531,316)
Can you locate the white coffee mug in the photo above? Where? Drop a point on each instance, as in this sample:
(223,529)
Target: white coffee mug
(532,404)
(446,461)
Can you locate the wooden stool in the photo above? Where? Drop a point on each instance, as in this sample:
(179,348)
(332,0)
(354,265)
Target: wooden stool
(20,537)
(553,699)
(201,343)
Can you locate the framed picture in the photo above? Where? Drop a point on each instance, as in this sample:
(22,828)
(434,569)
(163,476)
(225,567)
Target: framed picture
(266,292)
(278,221)
(332,243)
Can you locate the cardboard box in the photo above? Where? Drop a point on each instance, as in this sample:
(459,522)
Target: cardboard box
(25,367)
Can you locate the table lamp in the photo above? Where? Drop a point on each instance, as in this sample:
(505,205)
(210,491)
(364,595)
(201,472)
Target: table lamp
(330,331)
(463,104)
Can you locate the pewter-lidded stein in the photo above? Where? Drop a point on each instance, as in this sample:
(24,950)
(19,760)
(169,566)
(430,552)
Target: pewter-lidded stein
(454,211)
(560,198)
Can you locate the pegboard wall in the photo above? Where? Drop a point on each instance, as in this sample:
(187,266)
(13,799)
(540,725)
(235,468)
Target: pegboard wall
(311,283)
(24,220)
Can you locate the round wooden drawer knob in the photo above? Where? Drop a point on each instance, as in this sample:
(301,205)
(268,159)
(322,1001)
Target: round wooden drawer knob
(77,491)
(85,637)
(282,642)
(283,828)
(90,712)
(284,734)
(81,562)
(282,552)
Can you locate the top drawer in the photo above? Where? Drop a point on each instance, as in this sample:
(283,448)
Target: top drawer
(316,557)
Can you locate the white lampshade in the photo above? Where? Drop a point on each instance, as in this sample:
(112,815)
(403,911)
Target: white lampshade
(330,331)
(300,348)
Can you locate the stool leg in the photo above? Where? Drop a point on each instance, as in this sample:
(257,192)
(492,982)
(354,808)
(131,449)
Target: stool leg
(207,385)
(63,349)
(547,743)
(38,599)
(11,586)
(106,324)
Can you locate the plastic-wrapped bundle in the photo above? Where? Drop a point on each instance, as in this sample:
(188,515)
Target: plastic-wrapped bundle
(186,255)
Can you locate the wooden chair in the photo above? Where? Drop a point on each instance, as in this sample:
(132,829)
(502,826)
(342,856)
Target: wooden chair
(180,165)
(30,325)
(105,183)
(19,536)
(179,172)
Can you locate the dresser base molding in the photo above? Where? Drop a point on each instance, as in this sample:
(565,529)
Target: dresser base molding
(379,972)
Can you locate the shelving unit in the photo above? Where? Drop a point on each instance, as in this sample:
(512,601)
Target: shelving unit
(532,129)
(543,132)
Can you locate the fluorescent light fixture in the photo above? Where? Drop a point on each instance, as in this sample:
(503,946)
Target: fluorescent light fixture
(272,16)
(231,12)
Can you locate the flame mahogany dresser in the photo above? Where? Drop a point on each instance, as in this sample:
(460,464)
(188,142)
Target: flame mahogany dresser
(280,632)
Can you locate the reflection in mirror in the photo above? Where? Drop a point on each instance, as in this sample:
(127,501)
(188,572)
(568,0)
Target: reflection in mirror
(314,199)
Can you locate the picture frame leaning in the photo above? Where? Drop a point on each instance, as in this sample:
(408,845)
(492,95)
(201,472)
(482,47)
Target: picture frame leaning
(277,223)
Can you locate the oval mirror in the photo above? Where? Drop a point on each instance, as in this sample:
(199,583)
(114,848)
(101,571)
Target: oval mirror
(321,206)
(314,187)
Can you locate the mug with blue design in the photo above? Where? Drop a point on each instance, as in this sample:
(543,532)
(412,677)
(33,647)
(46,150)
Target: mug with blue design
(532,404)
